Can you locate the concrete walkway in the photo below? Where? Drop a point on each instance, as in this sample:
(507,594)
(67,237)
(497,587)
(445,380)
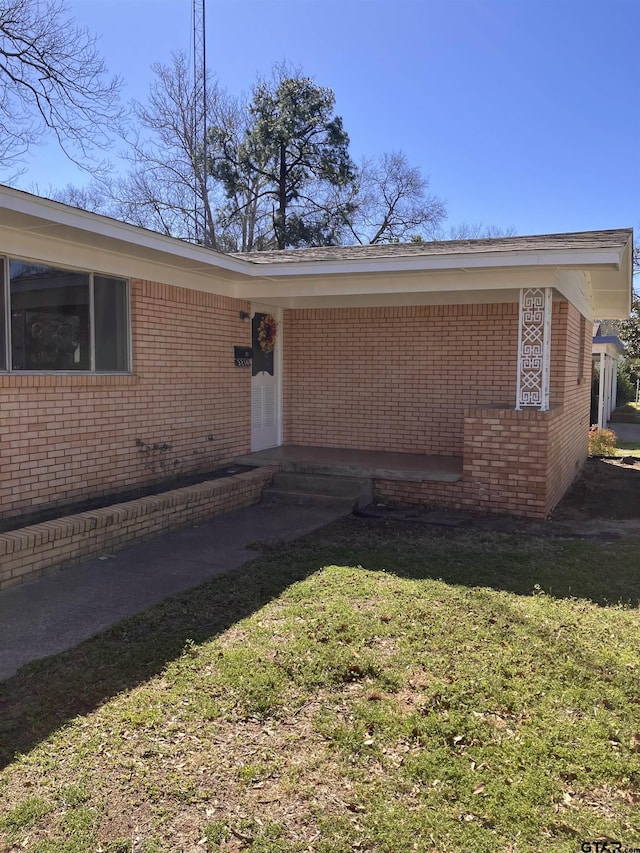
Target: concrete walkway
(58,611)
(625,432)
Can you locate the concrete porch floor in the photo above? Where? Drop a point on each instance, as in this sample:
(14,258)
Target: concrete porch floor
(373,464)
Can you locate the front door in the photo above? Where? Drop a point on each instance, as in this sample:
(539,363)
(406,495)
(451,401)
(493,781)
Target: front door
(265,404)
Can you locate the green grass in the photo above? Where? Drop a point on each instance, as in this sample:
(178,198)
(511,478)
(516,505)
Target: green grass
(627,448)
(374,686)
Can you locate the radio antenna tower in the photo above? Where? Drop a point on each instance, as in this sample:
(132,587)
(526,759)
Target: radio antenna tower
(202,213)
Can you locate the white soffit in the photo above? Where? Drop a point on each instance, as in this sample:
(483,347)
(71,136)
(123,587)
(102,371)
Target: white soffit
(396,289)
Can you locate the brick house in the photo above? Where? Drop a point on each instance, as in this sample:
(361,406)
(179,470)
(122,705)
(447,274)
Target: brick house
(118,363)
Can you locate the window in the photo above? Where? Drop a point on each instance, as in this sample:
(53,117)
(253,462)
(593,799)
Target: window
(65,320)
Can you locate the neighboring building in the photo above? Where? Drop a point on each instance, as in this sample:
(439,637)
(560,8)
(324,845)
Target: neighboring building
(118,361)
(607,350)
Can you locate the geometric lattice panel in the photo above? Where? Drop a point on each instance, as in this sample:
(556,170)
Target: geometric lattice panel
(534,348)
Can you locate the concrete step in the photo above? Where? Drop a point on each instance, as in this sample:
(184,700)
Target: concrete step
(320,490)
(326,484)
(297,498)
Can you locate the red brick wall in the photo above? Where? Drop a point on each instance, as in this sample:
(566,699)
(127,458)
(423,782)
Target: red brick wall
(505,463)
(395,379)
(569,434)
(64,438)
(519,463)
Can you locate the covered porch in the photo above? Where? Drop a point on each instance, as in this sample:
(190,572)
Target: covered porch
(451,378)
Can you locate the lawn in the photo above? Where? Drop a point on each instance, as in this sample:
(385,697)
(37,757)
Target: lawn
(627,448)
(375,686)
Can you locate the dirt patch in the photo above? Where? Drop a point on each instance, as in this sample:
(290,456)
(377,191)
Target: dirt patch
(605,488)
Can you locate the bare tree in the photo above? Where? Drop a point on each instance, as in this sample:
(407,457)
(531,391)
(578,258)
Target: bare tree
(95,197)
(52,81)
(474,231)
(167,188)
(392,203)
(170,187)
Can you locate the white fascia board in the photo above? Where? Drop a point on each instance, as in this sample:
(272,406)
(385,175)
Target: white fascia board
(570,258)
(39,216)
(46,216)
(151,266)
(607,349)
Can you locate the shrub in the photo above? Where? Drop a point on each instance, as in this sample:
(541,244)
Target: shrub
(626,392)
(602,442)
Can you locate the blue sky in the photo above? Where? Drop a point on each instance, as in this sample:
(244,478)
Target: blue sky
(523,113)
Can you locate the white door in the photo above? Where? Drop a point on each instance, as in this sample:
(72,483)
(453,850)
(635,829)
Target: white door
(265,384)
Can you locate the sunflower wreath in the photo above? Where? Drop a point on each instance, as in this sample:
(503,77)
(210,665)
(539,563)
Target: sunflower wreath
(267,333)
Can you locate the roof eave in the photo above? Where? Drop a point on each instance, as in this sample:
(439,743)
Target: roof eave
(568,258)
(45,214)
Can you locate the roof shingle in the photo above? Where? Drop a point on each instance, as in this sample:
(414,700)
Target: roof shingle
(582,240)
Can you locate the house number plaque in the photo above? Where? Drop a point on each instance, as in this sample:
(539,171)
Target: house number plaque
(242,356)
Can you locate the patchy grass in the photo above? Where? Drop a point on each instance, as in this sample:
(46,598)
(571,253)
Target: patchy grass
(374,686)
(627,448)
(630,413)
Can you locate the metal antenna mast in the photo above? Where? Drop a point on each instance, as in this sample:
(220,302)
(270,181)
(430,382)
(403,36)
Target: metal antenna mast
(200,122)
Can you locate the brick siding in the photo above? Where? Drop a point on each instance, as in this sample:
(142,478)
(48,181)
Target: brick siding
(419,379)
(569,434)
(395,379)
(65,438)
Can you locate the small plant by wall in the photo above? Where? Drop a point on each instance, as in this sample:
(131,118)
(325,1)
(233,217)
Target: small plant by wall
(156,456)
(602,442)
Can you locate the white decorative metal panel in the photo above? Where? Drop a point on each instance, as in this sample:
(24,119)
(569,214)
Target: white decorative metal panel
(534,348)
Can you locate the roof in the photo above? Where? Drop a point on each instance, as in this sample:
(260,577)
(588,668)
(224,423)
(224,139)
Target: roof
(584,240)
(592,269)
(600,342)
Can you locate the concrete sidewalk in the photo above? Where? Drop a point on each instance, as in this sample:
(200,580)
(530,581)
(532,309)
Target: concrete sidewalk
(58,611)
(625,432)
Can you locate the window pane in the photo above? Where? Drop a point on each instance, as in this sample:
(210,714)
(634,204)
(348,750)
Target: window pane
(3,324)
(49,318)
(110,323)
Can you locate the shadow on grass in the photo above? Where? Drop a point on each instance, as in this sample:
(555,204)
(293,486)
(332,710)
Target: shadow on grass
(46,694)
